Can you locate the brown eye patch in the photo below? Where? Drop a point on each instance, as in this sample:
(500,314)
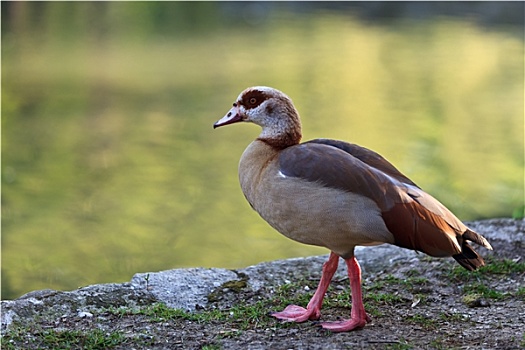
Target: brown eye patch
(253,99)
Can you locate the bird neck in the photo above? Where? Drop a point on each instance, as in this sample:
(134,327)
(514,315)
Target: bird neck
(281,140)
(284,133)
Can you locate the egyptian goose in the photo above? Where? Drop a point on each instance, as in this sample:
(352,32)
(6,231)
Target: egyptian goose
(337,195)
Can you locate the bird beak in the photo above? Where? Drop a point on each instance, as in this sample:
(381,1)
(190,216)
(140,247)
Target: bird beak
(233,116)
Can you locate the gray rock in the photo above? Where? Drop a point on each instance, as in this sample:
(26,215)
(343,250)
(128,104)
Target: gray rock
(185,289)
(507,230)
(50,303)
(190,289)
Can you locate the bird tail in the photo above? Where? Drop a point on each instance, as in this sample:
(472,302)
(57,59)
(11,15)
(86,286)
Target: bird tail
(476,238)
(468,258)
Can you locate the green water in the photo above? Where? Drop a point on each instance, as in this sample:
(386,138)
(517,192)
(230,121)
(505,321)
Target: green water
(110,165)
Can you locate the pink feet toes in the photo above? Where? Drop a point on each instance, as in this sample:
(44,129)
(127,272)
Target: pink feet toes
(344,326)
(294,313)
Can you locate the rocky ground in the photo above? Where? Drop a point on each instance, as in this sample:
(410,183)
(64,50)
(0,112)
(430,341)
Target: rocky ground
(415,302)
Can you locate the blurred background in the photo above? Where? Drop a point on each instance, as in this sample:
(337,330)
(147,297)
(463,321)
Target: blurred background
(110,165)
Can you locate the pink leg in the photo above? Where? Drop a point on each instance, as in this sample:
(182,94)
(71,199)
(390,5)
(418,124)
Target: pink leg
(294,313)
(358,316)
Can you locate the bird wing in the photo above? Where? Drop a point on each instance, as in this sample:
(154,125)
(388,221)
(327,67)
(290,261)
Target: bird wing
(331,167)
(367,156)
(416,220)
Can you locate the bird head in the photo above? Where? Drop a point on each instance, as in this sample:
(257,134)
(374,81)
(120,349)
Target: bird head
(269,108)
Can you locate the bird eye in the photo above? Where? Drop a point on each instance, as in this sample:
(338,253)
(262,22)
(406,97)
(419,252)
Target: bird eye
(252,101)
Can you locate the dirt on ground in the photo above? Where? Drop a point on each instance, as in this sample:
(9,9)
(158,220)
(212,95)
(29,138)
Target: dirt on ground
(426,303)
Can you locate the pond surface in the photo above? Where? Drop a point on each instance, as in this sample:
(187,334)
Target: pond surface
(111,165)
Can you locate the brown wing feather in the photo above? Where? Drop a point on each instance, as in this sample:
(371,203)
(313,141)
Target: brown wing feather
(415,227)
(333,168)
(417,220)
(367,156)
(424,224)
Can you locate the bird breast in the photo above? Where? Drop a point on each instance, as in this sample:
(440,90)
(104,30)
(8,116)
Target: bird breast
(306,211)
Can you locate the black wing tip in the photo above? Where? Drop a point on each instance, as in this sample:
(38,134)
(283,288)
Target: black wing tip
(468,258)
(477,238)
